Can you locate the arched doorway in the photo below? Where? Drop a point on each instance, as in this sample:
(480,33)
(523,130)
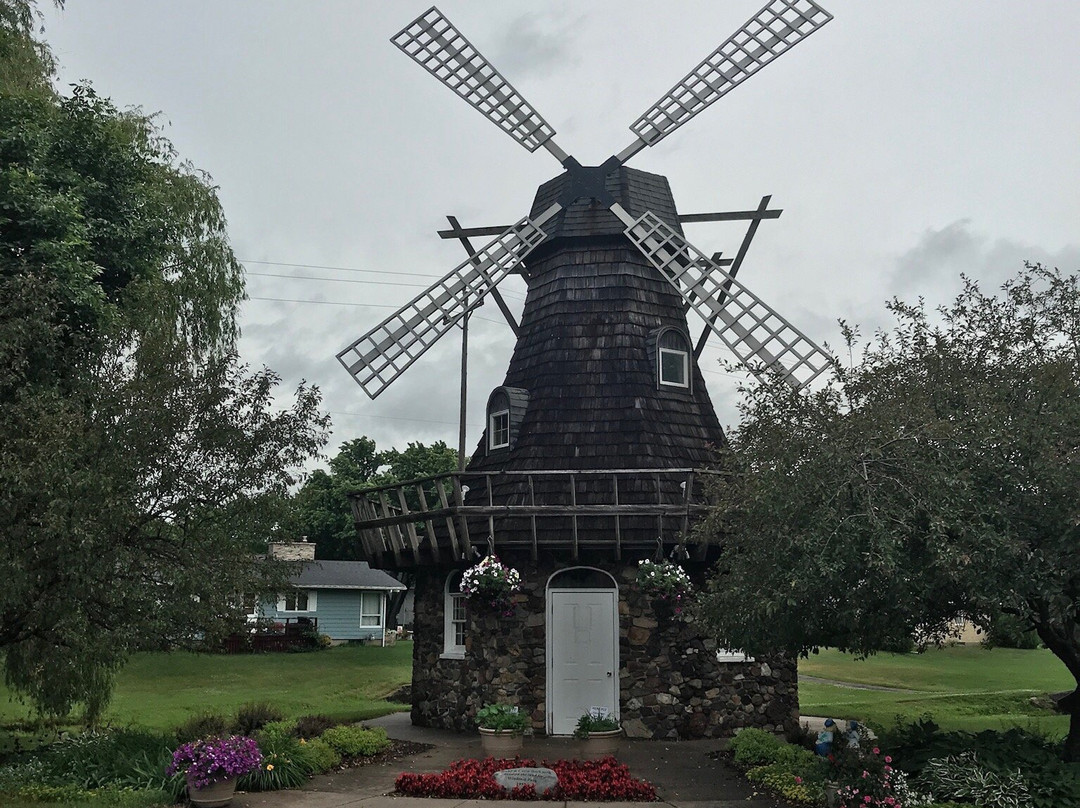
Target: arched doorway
(582,646)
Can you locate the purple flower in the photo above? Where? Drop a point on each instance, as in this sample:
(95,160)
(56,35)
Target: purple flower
(209,760)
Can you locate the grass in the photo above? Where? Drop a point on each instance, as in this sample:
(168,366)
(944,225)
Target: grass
(963,687)
(160,691)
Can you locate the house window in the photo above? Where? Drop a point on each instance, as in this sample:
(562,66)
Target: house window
(299,600)
(454,617)
(371,609)
(499,429)
(673,360)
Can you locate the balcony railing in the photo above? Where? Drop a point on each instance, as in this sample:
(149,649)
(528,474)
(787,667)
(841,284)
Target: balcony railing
(443,518)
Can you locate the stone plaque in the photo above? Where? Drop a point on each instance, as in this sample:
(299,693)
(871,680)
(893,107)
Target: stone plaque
(543,779)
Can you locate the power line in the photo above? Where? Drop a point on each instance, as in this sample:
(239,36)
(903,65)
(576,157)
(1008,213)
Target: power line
(336,280)
(339,269)
(359,305)
(395,418)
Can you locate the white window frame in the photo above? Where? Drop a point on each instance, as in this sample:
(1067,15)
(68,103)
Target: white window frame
(454,619)
(685,355)
(377,614)
(493,430)
(311,606)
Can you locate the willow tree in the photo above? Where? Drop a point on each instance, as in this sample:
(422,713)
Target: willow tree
(140,464)
(937,476)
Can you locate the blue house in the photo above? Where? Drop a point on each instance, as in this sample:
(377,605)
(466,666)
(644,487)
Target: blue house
(346,599)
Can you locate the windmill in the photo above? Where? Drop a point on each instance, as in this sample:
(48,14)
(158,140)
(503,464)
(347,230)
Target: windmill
(599,437)
(758,335)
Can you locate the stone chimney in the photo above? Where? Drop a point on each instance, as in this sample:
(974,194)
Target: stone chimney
(302,550)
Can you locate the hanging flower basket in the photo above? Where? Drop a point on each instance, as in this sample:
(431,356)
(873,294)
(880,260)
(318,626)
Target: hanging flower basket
(666,583)
(492,584)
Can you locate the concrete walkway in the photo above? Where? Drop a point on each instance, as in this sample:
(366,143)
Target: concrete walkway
(682,771)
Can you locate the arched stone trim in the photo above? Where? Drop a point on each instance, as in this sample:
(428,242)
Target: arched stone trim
(454,617)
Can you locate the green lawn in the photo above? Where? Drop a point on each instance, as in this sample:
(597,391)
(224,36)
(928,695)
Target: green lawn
(963,687)
(162,690)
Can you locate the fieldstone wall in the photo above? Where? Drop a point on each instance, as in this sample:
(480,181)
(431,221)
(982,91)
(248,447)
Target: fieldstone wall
(671,685)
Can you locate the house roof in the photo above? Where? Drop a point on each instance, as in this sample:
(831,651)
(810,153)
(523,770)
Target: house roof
(344,575)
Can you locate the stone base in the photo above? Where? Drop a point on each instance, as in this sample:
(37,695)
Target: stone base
(670,684)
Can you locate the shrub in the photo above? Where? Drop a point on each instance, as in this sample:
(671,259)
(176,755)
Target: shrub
(285,764)
(356,741)
(250,718)
(755,747)
(590,723)
(101,759)
(312,726)
(962,777)
(323,757)
(275,730)
(777,778)
(206,725)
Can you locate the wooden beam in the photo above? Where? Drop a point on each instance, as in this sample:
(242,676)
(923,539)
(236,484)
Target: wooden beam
(495,294)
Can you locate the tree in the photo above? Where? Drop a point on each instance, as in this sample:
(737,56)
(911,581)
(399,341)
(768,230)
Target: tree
(323,511)
(140,464)
(937,476)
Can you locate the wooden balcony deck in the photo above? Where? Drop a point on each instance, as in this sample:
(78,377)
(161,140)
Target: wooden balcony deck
(446,518)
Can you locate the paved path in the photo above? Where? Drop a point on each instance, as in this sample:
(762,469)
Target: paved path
(682,771)
(853,685)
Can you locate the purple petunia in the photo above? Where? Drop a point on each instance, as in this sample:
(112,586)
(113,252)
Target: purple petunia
(209,760)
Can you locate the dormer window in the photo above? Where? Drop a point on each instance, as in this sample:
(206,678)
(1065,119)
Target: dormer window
(673,360)
(499,429)
(505,411)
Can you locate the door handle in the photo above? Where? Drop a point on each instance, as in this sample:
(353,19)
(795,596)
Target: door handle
(609,674)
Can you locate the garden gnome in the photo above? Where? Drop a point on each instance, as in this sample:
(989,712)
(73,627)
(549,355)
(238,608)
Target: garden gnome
(852,734)
(825,738)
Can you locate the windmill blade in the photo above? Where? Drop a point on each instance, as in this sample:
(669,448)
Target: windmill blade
(778,27)
(749,326)
(435,44)
(384,353)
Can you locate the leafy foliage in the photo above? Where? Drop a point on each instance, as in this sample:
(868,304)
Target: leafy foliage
(312,726)
(935,477)
(252,717)
(286,763)
(502,718)
(754,747)
(356,741)
(141,464)
(591,723)
(323,757)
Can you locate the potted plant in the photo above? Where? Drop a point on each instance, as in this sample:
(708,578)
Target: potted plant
(501,729)
(491,583)
(599,734)
(212,765)
(666,583)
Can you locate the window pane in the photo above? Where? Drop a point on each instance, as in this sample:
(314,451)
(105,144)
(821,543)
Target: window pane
(459,609)
(499,429)
(301,602)
(673,367)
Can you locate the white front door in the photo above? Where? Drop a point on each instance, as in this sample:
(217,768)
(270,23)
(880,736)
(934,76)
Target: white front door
(583,660)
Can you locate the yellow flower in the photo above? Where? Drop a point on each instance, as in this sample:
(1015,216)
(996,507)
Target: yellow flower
(269,767)
(303,740)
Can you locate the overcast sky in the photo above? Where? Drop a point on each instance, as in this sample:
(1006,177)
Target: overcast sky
(905,142)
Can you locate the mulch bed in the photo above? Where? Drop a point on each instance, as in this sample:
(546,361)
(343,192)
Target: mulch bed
(396,751)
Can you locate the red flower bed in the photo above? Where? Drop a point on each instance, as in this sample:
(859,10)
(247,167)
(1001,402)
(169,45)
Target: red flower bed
(593,780)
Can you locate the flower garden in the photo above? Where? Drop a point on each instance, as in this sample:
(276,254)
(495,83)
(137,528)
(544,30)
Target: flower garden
(601,780)
(136,768)
(914,766)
